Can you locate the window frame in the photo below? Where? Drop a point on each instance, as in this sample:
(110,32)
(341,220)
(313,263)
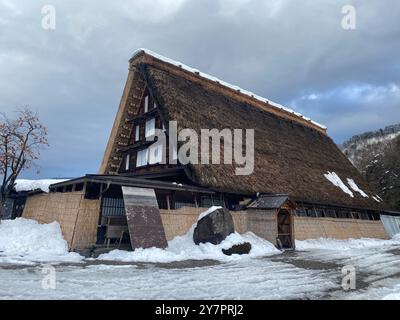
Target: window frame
(140,158)
(150,132)
(137,132)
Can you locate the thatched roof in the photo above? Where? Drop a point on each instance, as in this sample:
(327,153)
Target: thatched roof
(292,153)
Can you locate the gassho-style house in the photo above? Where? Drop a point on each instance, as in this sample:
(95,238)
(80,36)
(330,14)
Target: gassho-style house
(300,186)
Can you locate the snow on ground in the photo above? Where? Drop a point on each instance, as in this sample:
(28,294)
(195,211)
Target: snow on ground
(311,274)
(25,241)
(249,279)
(313,271)
(336,181)
(349,244)
(386,289)
(183,248)
(28,185)
(377,262)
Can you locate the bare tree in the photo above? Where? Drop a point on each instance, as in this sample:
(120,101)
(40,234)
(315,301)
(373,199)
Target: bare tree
(21,140)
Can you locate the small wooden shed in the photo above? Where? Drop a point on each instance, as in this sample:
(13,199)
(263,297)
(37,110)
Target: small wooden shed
(271,216)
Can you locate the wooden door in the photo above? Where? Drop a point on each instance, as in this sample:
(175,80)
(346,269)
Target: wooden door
(285,237)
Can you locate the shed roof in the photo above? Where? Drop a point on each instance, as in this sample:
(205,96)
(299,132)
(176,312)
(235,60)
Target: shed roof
(273,201)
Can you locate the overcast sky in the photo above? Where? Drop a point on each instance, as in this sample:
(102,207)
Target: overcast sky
(292,52)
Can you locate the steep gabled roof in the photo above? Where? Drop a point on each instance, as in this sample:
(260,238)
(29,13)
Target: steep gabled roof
(293,154)
(269,103)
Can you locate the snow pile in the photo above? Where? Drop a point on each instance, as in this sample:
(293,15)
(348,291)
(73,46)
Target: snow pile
(355,187)
(336,181)
(28,185)
(207,212)
(396,237)
(348,244)
(24,240)
(183,248)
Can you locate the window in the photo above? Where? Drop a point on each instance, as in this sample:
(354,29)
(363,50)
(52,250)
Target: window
(127,160)
(137,133)
(311,213)
(364,216)
(343,214)
(155,154)
(330,213)
(319,213)
(150,127)
(146,103)
(301,212)
(355,215)
(142,158)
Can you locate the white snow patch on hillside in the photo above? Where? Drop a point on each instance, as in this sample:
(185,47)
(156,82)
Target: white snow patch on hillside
(43,184)
(336,181)
(207,212)
(348,244)
(183,248)
(24,240)
(375,140)
(355,187)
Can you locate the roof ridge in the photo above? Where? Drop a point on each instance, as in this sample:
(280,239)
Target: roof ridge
(223,83)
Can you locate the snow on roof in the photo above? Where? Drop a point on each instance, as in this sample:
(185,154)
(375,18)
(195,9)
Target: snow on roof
(223,83)
(42,184)
(355,187)
(377,198)
(336,181)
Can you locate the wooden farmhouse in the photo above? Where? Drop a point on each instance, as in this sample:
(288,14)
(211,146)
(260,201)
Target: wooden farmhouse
(301,186)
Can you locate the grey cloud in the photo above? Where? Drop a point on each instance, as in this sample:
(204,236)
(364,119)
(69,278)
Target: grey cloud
(283,50)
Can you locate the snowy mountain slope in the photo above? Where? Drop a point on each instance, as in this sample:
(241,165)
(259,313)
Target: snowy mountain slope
(361,149)
(377,156)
